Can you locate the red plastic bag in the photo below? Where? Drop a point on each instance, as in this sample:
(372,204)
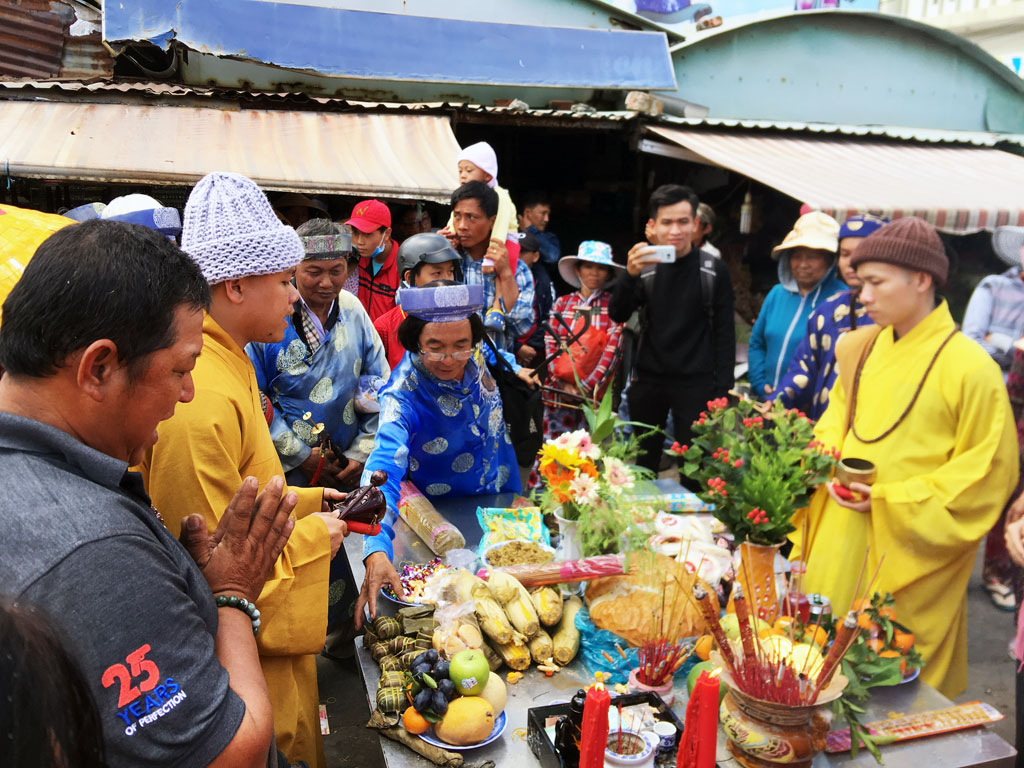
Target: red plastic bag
(583,355)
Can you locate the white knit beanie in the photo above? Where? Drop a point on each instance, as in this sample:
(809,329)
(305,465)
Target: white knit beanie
(231,231)
(482,156)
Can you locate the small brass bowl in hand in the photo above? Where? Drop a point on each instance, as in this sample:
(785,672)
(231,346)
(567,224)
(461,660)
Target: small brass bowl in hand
(856,471)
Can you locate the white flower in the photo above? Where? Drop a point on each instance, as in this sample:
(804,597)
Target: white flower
(566,440)
(617,475)
(584,490)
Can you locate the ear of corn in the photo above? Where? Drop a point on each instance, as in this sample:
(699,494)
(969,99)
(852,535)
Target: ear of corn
(502,586)
(566,639)
(493,621)
(548,602)
(516,600)
(540,647)
(514,654)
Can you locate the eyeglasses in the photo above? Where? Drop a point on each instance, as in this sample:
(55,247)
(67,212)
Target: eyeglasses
(437,357)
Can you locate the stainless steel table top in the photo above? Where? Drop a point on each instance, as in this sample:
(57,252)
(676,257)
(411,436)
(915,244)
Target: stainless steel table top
(973,747)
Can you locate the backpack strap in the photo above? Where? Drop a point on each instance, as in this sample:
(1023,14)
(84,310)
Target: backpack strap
(707,293)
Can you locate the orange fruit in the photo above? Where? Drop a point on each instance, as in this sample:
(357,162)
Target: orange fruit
(864,621)
(414,722)
(766,631)
(703,647)
(861,605)
(896,655)
(816,635)
(875,644)
(903,641)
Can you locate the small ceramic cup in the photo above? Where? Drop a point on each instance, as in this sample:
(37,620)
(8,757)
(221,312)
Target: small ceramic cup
(856,471)
(666,733)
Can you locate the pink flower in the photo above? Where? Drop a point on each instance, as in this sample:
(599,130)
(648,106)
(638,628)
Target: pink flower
(617,475)
(586,447)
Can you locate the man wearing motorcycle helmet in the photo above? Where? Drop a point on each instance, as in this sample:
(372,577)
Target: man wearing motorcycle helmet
(422,258)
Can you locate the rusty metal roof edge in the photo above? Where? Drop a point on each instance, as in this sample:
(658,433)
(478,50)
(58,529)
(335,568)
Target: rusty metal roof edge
(303,102)
(184,179)
(902,133)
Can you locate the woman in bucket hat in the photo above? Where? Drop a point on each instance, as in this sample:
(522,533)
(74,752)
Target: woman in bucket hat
(807,265)
(591,272)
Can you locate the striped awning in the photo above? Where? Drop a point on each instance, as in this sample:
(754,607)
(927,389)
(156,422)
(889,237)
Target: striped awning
(397,156)
(958,189)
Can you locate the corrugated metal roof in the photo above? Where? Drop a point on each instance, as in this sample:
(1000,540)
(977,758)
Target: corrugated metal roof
(31,39)
(36,40)
(169,92)
(903,133)
(958,189)
(390,155)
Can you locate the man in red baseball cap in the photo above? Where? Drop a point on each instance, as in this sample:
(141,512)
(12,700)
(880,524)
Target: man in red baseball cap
(378,266)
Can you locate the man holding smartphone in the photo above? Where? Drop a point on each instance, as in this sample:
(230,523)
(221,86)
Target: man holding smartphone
(686,342)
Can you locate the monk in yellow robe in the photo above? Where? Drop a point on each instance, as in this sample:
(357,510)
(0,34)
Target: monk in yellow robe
(929,408)
(210,444)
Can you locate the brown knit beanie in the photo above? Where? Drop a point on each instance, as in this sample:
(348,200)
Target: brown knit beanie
(910,243)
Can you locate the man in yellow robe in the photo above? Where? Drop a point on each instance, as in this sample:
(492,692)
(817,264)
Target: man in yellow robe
(210,444)
(928,407)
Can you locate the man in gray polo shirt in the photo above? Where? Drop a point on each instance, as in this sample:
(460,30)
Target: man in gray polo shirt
(97,342)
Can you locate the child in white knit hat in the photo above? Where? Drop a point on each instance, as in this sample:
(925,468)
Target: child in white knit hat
(477,162)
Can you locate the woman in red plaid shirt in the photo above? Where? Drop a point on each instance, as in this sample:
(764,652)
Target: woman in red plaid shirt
(592,272)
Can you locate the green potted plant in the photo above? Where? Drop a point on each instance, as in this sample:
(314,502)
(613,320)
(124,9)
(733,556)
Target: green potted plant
(757,467)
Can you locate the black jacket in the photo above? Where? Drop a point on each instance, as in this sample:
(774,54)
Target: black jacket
(678,344)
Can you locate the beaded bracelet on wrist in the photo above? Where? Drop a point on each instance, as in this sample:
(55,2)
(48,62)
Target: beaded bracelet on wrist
(249,608)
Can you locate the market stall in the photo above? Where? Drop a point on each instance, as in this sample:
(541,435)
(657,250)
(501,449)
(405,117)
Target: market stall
(971,747)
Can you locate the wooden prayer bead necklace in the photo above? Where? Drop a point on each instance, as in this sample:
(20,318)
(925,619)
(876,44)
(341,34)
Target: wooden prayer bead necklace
(906,411)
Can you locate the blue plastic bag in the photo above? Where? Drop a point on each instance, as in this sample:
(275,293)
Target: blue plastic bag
(594,641)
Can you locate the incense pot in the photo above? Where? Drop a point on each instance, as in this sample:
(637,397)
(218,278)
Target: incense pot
(630,748)
(664,690)
(757,574)
(856,471)
(764,734)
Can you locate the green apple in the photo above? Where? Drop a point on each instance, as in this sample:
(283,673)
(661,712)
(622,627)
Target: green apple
(469,671)
(691,679)
(731,626)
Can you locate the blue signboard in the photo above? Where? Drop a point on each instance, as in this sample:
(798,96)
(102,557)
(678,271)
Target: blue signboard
(397,47)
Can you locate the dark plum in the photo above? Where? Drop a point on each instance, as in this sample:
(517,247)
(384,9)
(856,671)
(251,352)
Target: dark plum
(439,703)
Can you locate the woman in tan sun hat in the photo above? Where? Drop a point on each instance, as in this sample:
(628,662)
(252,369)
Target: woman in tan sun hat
(807,260)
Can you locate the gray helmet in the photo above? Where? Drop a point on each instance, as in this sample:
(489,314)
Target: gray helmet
(426,248)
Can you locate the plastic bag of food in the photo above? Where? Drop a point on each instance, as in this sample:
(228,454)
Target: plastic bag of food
(507,524)
(457,629)
(426,522)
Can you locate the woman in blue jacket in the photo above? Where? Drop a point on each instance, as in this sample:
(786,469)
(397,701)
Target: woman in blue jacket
(807,258)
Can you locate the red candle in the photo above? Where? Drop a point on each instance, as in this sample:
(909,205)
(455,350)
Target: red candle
(594,730)
(700,734)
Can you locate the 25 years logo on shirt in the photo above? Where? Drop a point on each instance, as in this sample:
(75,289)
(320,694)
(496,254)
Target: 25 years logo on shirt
(142,698)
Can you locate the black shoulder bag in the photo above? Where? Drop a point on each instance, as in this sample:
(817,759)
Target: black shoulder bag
(522,407)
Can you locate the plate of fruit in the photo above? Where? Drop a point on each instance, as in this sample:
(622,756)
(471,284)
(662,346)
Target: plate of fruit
(885,639)
(457,704)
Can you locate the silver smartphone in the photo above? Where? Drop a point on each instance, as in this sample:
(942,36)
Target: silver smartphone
(665,254)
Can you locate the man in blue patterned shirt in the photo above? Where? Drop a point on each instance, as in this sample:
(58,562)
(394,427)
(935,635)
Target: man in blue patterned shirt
(508,285)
